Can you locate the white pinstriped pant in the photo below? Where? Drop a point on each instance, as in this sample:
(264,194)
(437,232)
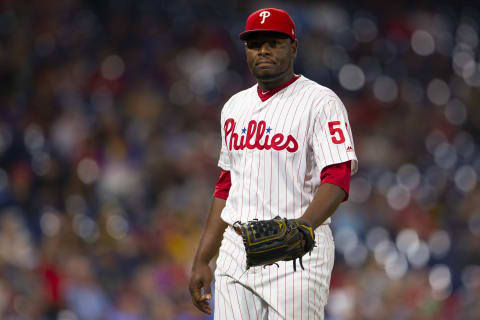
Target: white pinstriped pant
(272,292)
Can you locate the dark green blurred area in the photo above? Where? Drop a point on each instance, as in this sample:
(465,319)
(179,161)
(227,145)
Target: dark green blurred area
(110,135)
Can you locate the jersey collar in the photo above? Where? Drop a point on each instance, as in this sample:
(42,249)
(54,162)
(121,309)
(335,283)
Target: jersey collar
(265,95)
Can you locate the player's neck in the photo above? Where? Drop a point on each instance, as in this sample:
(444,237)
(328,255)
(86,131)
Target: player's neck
(275,83)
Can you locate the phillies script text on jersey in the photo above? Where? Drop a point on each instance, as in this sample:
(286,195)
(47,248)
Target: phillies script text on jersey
(257,130)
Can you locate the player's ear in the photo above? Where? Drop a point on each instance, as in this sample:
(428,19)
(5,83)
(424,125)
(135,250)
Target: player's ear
(294,48)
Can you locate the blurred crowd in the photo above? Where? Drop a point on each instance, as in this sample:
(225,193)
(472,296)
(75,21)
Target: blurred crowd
(110,135)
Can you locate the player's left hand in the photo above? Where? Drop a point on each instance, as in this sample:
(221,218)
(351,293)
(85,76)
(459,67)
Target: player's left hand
(201,277)
(269,241)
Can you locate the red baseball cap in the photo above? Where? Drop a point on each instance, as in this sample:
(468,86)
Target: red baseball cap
(269,19)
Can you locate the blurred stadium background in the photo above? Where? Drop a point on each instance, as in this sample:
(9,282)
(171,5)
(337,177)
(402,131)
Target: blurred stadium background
(109,138)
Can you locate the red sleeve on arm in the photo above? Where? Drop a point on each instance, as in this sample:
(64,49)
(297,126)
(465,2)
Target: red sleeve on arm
(338,174)
(222,188)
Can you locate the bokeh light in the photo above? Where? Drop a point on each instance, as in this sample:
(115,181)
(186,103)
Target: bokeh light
(445,155)
(398,197)
(85,227)
(383,250)
(385,89)
(113,67)
(356,256)
(351,77)
(396,266)
(406,239)
(375,236)
(440,279)
(88,171)
(438,92)
(418,254)
(50,223)
(466,178)
(346,239)
(340,303)
(117,226)
(439,243)
(408,176)
(422,43)
(360,189)
(455,112)
(364,29)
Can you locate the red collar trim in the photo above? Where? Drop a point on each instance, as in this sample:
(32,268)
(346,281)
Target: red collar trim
(265,95)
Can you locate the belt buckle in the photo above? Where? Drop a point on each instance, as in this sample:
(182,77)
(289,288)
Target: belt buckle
(236,227)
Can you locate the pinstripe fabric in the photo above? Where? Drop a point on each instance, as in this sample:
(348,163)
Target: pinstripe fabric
(242,294)
(275,151)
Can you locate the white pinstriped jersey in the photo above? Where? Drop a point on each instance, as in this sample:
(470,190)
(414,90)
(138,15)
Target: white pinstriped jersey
(276,149)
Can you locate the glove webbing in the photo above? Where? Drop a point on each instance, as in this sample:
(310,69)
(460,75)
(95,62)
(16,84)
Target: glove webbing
(269,231)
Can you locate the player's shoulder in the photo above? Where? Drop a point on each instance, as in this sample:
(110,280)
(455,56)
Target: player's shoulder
(321,95)
(317,90)
(239,98)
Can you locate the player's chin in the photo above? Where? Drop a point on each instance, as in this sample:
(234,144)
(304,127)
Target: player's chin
(266,74)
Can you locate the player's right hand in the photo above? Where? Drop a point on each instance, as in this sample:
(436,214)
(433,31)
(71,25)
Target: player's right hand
(201,277)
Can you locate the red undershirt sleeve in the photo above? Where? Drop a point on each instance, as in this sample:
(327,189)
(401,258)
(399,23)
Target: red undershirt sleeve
(338,174)
(222,188)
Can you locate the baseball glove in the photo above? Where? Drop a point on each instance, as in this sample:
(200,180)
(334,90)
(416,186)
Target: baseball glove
(269,241)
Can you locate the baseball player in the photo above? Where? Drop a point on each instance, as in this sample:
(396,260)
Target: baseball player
(287,151)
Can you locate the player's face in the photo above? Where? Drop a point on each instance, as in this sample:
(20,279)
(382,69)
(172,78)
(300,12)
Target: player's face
(270,56)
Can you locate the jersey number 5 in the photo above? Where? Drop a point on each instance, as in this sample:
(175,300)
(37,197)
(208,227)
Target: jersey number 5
(336,130)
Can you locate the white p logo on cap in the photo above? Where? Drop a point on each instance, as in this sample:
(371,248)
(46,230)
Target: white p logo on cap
(264,15)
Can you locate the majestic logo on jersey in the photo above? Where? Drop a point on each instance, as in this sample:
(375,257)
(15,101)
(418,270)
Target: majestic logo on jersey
(256,132)
(264,15)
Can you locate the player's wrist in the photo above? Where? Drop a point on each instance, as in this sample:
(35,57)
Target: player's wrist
(200,261)
(307,220)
